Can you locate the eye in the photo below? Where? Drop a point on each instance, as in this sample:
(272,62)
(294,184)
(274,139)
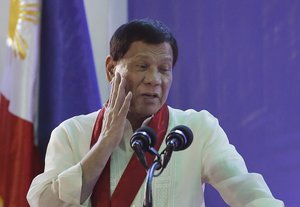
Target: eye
(142,66)
(165,68)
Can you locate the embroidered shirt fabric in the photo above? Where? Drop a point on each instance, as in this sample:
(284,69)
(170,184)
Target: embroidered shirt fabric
(210,159)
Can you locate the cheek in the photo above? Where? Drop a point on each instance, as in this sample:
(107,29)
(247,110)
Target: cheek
(128,87)
(130,84)
(167,84)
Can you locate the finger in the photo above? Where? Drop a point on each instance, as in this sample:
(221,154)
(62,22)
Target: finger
(111,91)
(121,94)
(125,107)
(115,89)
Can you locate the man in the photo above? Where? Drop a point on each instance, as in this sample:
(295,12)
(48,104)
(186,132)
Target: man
(89,160)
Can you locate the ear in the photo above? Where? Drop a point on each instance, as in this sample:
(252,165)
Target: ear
(110,68)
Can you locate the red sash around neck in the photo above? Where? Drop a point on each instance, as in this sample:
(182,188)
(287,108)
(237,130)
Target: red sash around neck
(134,174)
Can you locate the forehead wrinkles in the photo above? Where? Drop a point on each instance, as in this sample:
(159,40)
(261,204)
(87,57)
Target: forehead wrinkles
(141,50)
(152,56)
(158,52)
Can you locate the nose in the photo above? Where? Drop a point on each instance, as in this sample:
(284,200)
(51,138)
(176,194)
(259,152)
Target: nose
(152,76)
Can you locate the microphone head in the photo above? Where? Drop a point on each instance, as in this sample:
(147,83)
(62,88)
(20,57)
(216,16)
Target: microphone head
(182,135)
(146,136)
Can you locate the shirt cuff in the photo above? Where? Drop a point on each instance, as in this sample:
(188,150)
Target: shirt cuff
(69,185)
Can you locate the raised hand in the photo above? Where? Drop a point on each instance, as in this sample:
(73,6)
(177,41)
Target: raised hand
(111,134)
(116,112)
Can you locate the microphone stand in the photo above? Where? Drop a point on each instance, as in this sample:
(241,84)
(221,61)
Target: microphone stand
(178,139)
(156,165)
(148,191)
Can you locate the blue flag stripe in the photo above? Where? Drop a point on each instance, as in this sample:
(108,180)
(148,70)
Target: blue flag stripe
(68,81)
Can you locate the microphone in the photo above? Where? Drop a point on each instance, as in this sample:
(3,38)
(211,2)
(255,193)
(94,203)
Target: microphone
(179,138)
(141,141)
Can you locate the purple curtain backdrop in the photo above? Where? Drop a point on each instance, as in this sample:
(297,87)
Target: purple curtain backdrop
(240,60)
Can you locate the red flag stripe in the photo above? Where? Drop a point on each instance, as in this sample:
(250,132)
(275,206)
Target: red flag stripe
(17,156)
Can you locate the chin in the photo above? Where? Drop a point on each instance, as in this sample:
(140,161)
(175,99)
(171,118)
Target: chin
(145,111)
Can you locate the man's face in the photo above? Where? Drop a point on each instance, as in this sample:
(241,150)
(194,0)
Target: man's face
(147,69)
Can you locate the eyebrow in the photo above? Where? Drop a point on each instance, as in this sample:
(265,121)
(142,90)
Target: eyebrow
(166,58)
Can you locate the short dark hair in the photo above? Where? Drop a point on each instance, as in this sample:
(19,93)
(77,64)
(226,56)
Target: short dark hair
(145,30)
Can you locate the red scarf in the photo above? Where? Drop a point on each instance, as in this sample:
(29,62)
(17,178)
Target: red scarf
(134,174)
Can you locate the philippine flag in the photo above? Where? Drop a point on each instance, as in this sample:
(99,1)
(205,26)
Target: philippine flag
(18,103)
(49,77)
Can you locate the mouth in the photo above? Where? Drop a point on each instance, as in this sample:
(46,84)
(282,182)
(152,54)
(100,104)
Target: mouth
(150,95)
